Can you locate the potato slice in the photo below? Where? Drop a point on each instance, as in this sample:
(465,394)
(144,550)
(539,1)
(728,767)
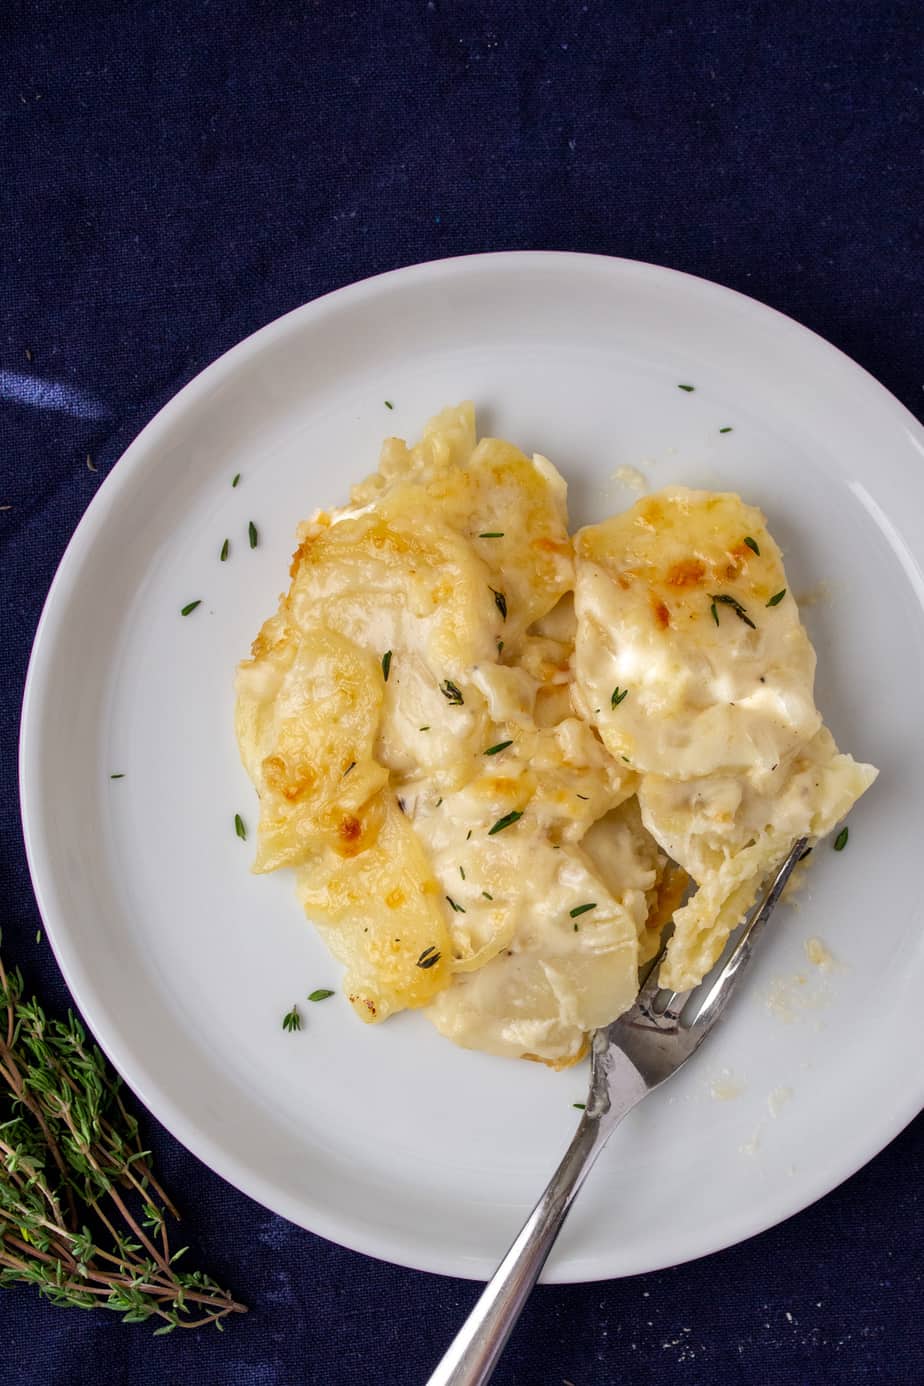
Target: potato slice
(729,833)
(690,656)
(309,746)
(381,912)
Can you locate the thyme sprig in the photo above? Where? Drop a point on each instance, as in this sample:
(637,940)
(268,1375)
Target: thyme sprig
(82,1217)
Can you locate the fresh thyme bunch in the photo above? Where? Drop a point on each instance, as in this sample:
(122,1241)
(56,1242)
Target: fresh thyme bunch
(81,1215)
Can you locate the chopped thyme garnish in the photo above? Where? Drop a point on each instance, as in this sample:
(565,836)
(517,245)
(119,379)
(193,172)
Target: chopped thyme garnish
(292,1020)
(190,606)
(491,534)
(500,602)
(585,797)
(689,388)
(617,696)
(505,822)
(252,534)
(321,994)
(462,872)
(423,728)
(348,769)
(777,598)
(500,647)
(239,827)
(120,776)
(225,550)
(575,927)
(581,1106)
(450,692)
(735,605)
(715,613)
(388,404)
(237,477)
(429,957)
(582,909)
(752,544)
(495,750)
(726,429)
(487,896)
(386,664)
(468,835)
(438,802)
(459,909)
(840,842)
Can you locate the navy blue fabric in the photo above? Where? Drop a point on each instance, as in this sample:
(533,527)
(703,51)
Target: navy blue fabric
(176,173)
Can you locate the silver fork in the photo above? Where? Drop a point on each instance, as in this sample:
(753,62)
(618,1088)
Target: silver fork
(629,1059)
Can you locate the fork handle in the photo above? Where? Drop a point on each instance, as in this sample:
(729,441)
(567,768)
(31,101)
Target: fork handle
(473,1353)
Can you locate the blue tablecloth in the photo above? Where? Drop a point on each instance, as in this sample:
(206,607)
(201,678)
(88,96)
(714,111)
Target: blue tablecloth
(177,173)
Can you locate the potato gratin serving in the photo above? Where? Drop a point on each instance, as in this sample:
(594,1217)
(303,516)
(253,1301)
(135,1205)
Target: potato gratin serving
(497,758)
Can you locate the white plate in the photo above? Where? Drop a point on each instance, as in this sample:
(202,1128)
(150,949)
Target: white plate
(389,1139)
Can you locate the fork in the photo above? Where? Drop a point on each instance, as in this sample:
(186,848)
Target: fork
(629,1059)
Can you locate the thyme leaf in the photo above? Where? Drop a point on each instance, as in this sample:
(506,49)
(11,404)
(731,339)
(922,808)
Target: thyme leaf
(505,822)
(728,600)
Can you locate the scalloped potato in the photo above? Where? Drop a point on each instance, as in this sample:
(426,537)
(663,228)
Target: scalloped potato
(495,760)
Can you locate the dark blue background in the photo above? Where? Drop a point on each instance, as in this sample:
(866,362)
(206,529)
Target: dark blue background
(176,174)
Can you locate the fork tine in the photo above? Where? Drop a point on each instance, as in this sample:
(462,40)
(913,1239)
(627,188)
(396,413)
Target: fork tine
(648,973)
(720,989)
(669,1002)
